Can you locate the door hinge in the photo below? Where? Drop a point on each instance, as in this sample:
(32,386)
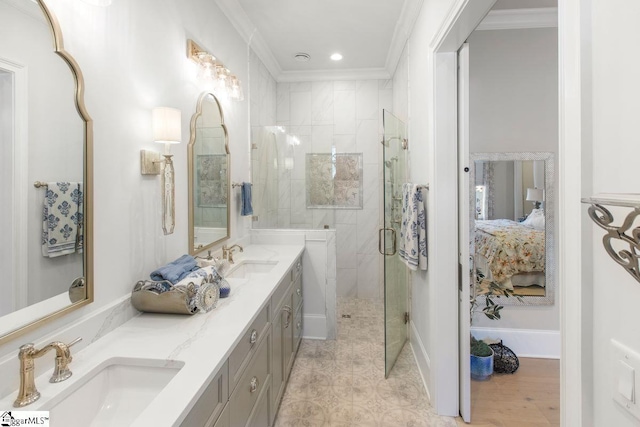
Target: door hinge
(406,318)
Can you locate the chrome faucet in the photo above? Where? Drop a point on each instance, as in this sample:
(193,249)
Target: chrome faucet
(227,253)
(28,392)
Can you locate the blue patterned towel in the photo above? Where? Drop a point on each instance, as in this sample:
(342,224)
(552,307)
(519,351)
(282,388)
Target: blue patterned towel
(175,270)
(247,209)
(62,217)
(413,231)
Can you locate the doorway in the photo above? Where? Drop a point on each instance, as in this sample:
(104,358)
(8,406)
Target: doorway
(508,120)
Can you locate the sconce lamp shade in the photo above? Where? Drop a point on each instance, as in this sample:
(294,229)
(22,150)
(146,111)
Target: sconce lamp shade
(167,126)
(535,195)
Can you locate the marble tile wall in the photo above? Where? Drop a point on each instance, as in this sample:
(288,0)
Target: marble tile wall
(345,117)
(323,116)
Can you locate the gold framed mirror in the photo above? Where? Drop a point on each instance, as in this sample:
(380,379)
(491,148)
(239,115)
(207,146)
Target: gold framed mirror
(48,258)
(209,163)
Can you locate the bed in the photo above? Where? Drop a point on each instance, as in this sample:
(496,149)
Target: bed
(510,253)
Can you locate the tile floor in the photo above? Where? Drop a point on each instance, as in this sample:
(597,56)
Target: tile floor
(341,383)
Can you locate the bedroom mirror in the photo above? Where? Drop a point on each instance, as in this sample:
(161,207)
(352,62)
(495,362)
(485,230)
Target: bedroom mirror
(45,157)
(208,163)
(512,226)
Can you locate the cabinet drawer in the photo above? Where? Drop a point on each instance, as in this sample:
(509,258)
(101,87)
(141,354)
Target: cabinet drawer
(297,293)
(247,346)
(260,414)
(210,405)
(280,294)
(252,382)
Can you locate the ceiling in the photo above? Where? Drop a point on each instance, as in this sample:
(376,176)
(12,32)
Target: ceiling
(370,34)
(361,30)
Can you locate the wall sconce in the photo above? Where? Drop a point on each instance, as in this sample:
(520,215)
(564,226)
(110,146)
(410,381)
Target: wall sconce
(167,130)
(210,68)
(536,196)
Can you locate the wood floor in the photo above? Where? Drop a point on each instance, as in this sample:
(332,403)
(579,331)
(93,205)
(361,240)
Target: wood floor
(529,397)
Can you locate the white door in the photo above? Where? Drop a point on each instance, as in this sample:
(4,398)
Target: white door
(464,279)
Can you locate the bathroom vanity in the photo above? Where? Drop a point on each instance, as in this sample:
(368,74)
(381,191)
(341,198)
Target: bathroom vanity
(228,367)
(248,389)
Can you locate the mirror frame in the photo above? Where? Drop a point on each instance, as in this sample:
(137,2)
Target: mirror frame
(190,169)
(87,256)
(549,215)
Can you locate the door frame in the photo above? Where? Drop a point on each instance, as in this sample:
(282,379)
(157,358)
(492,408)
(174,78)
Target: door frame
(462,19)
(19,178)
(573,21)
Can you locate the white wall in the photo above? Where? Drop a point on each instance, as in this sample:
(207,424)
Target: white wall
(133,57)
(513,108)
(513,90)
(610,165)
(419,97)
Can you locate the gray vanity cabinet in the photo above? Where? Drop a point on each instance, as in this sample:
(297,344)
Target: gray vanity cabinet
(240,393)
(247,390)
(287,303)
(211,404)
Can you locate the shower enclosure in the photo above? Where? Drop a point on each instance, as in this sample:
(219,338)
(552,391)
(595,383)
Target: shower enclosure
(395,271)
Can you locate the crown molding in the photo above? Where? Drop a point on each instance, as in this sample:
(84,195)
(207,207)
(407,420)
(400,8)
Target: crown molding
(248,31)
(513,19)
(323,75)
(404,27)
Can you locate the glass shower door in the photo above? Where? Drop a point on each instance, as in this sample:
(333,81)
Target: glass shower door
(395,271)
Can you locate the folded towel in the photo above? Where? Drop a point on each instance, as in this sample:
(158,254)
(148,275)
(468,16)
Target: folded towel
(247,209)
(413,231)
(176,270)
(62,219)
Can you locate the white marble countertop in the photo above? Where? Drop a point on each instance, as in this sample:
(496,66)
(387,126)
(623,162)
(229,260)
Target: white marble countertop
(201,341)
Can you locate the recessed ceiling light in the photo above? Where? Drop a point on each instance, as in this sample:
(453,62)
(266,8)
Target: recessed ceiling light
(336,57)
(302,57)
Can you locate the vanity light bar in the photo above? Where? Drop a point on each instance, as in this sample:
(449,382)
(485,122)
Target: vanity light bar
(212,68)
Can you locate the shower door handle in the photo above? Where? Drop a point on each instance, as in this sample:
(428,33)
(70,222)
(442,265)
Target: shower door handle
(382,250)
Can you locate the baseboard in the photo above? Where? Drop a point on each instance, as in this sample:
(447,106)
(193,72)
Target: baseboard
(315,327)
(542,344)
(421,357)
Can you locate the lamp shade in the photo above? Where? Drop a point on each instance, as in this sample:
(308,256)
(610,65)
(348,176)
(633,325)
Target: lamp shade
(167,127)
(535,195)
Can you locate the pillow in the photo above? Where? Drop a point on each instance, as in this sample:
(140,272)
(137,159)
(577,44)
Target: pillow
(535,219)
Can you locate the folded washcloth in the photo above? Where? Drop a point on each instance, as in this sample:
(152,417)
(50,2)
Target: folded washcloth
(413,231)
(247,209)
(176,270)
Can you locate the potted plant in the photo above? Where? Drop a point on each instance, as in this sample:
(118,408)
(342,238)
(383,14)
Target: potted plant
(481,360)
(481,353)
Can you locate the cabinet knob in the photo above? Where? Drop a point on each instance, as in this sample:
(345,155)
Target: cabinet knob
(299,292)
(254,337)
(253,386)
(298,325)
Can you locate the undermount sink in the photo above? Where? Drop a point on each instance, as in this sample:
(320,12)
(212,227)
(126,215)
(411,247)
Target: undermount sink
(115,393)
(247,269)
